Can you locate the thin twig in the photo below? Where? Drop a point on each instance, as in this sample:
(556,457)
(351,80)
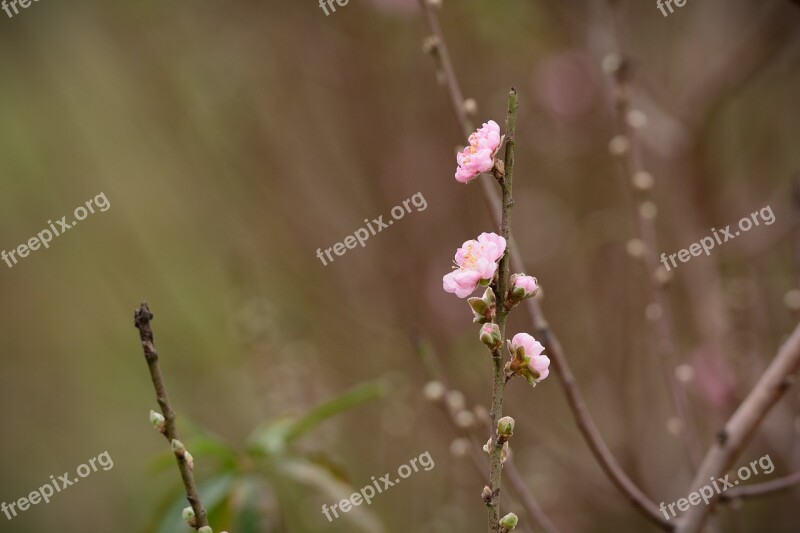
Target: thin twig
(644,213)
(738,431)
(542,329)
(498,360)
(142,318)
(762,489)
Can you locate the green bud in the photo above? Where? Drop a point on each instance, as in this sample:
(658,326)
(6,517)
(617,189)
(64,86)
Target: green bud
(158,421)
(509,522)
(489,298)
(478,306)
(188,516)
(484,308)
(505,426)
(490,336)
(178,447)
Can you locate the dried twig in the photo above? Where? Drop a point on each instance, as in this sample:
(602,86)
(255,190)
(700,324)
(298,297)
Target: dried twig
(738,431)
(626,147)
(762,489)
(142,318)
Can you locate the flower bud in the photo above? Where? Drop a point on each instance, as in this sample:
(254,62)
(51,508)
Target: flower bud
(470,106)
(478,306)
(158,421)
(643,181)
(612,63)
(465,419)
(486,494)
(490,336)
(434,390)
(455,400)
(505,427)
(636,118)
(619,145)
(189,517)
(178,447)
(522,287)
(484,307)
(205,529)
(460,447)
(430,45)
(488,446)
(509,522)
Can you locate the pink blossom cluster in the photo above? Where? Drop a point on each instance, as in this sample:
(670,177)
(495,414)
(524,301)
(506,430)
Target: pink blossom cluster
(476,262)
(478,157)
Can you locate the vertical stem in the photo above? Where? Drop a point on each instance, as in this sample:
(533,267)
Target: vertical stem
(666,347)
(142,318)
(498,366)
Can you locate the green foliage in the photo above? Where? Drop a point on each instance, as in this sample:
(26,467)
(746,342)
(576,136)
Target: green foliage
(245,489)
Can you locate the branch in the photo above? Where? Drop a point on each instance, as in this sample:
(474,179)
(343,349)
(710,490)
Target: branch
(625,147)
(762,489)
(545,335)
(477,455)
(498,361)
(142,318)
(738,431)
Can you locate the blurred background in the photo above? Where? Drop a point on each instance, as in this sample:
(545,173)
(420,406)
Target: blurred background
(234,139)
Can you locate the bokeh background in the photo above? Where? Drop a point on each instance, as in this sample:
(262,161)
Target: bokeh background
(233,139)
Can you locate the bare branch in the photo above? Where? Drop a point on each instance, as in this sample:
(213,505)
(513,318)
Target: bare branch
(762,489)
(142,318)
(738,431)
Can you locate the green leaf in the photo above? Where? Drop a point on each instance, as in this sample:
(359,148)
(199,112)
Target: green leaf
(275,436)
(332,489)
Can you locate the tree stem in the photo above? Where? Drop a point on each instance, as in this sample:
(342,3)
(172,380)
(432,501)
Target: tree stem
(142,318)
(498,361)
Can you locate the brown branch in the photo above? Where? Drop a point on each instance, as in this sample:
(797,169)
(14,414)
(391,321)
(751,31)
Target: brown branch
(543,332)
(644,213)
(142,318)
(762,489)
(738,431)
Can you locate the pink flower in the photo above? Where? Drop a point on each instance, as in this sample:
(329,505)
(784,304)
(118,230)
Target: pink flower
(476,261)
(478,157)
(523,286)
(539,364)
